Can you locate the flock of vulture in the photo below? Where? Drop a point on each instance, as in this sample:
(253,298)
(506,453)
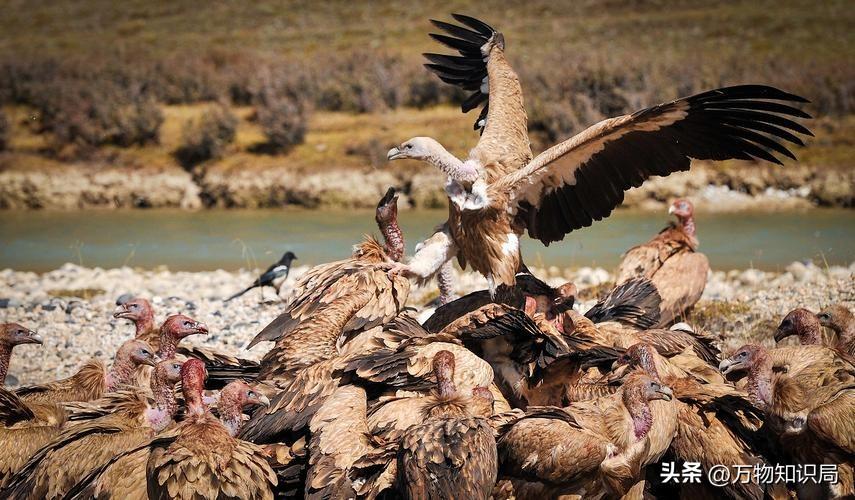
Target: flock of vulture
(508,392)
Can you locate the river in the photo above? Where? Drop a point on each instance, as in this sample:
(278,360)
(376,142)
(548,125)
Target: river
(230,239)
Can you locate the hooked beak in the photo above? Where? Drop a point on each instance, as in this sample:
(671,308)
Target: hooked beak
(671,210)
(201,328)
(394,154)
(264,400)
(32,338)
(152,361)
(121,312)
(726,366)
(666,392)
(781,334)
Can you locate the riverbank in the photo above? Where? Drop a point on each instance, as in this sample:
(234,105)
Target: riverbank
(71,306)
(70,187)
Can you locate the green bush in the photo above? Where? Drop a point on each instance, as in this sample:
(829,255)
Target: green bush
(207,137)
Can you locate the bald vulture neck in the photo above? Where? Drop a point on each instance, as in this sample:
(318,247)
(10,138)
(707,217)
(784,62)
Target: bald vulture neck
(759,385)
(121,373)
(394,239)
(688,225)
(451,166)
(639,410)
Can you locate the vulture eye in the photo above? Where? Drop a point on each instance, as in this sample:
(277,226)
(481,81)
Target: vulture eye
(786,323)
(133,306)
(743,354)
(824,317)
(188,324)
(250,394)
(408,146)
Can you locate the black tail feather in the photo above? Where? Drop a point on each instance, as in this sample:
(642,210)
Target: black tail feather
(635,303)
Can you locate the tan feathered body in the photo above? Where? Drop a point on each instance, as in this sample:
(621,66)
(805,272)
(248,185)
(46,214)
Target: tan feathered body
(205,462)
(588,449)
(57,467)
(451,454)
(24,428)
(87,384)
(648,258)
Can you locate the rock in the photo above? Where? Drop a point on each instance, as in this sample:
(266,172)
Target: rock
(11,380)
(73,304)
(798,270)
(9,303)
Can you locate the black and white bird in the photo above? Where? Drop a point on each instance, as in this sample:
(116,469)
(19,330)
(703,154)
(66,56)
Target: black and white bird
(274,276)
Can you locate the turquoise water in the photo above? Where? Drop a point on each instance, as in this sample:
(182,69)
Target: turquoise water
(230,239)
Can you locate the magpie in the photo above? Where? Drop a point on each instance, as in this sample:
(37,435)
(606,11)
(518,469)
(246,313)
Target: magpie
(274,276)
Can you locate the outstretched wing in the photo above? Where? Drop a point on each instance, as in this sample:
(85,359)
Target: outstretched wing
(482,69)
(583,179)
(468,70)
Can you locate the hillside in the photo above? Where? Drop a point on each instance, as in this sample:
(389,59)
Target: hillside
(90,87)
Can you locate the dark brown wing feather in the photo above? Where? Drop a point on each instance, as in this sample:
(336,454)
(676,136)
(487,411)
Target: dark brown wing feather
(584,178)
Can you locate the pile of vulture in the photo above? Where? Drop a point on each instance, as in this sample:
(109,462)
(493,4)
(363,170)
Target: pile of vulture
(509,392)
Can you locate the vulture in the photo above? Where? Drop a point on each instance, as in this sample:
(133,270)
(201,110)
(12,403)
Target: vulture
(124,475)
(551,301)
(841,321)
(808,328)
(339,298)
(222,368)
(200,458)
(672,263)
(812,411)
(94,379)
(11,335)
(394,357)
(139,312)
(502,190)
(452,453)
(522,346)
(716,424)
(692,352)
(130,419)
(274,276)
(447,450)
(634,303)
(592,448)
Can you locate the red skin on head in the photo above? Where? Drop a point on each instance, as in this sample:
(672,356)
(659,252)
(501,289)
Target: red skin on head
(175,328)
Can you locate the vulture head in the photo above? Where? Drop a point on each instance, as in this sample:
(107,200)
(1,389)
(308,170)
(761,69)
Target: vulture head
(682,208)
(134,310)
(193,376)
(802,323)
(387,209)
(638,390)
(168,371)
(179,326)
(287,258)
(564,297)
(137,353)
(482,401)
(743,359)
(242,395)
(12,334)
(641,355)
(417,148)
(837,317)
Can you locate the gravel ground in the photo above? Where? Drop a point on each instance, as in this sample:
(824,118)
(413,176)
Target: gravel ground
(72,306)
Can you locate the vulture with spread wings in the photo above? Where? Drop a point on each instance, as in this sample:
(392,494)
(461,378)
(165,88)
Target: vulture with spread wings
(501,190)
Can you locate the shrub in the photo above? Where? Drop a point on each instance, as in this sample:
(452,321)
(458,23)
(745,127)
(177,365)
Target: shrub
(4,131)
(284,121)
(207,137)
